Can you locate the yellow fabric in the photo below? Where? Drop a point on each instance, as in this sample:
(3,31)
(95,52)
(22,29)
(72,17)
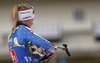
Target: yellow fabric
(16,42)
(9,36)
(8,39)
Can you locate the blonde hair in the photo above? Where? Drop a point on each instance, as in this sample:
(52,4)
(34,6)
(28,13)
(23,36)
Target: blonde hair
(14,14)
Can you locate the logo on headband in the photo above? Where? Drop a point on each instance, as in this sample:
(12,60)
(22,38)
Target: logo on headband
(27,17)
(25,12)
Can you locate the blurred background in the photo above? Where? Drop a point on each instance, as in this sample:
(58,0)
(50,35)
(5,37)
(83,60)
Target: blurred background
(72,22)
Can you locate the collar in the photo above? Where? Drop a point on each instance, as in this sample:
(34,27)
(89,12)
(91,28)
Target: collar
(19,23)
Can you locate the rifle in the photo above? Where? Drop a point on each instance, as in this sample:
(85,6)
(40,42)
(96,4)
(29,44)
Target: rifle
(40,51)
(63,48)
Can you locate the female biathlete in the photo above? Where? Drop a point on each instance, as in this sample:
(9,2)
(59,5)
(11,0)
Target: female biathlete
(22,18)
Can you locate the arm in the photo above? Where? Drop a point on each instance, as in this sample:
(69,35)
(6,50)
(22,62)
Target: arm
(34,38)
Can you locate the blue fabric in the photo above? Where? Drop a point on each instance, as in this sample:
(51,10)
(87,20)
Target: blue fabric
(22,35)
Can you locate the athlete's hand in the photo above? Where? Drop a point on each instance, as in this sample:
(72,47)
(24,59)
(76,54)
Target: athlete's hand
(50,55)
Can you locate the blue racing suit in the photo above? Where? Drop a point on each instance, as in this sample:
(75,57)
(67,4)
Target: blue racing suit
(17,44)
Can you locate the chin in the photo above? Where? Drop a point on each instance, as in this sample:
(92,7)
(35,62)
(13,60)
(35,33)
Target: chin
(29,26)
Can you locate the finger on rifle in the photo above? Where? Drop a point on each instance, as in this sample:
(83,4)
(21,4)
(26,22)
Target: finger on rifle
(51,57)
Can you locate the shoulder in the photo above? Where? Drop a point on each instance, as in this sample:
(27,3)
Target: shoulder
(25,28)
(21,30)
(21,27)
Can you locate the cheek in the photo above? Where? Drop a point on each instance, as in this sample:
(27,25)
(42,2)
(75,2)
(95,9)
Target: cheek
(31,22)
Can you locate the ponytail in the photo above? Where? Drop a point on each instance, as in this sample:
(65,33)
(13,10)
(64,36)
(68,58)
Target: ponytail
(14,17)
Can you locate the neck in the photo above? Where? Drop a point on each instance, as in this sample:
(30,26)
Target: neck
(20,23)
